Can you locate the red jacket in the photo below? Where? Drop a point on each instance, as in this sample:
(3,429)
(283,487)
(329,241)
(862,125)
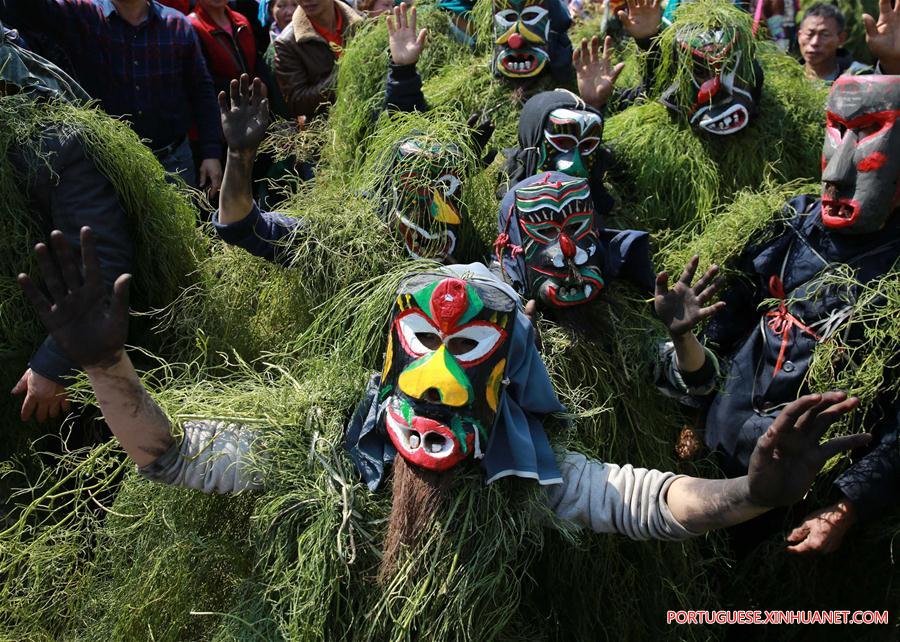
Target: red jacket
(227,56)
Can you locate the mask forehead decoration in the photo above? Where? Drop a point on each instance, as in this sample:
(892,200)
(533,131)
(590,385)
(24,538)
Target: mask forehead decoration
(861,155)
(425,206)
(521,37)
(571,138)
(560,247)
(445,364)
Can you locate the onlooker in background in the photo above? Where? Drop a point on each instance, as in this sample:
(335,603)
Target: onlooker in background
(780,17)
(821,36)
(142,61)
(374,8)
(277,15)
(227,41)
(306,52)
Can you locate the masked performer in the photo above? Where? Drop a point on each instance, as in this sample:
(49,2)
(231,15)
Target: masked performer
(767,348)
(65,190)
(420,197)
(552,247)
(462,379)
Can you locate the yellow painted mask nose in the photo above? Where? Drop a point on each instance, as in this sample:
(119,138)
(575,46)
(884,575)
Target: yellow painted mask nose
(440,372)
(442,211)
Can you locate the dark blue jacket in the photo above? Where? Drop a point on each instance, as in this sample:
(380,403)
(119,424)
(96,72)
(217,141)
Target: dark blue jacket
(264,234)
(768,355)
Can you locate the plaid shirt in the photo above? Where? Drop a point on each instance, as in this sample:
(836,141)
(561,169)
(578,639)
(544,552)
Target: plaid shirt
(153,74)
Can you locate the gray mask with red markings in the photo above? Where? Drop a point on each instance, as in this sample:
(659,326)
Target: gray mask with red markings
(861,156)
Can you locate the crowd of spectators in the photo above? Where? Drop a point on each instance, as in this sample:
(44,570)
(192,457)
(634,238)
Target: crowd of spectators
(161,63)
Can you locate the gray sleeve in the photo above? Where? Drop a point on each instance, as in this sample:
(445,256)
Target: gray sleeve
(616,499)
(213,457)
(686,389)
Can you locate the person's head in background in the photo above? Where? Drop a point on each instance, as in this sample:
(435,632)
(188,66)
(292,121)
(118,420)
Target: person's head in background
(282,11)
(374,8)
(822,32)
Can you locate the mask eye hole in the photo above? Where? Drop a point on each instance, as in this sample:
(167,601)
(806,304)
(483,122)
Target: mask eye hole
(562,142)
(588,146)
(429,339)
(461,345)
(868,130)
(531,15)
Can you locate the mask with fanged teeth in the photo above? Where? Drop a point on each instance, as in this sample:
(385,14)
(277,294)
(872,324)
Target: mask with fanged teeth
(861,156)
(443,371)
(521,36)
(720,100)
(424,205)
(560,245)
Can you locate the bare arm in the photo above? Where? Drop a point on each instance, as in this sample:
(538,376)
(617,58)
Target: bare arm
(783,466)
(134,418)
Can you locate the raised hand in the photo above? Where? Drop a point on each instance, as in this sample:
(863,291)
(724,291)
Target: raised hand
(245,114)
(642,19)
(88,324)
(883,36)
(596,73)
(682,309)
(788,456)
(406,45)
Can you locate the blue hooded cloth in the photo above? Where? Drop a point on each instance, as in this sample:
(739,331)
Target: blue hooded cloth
(518,445)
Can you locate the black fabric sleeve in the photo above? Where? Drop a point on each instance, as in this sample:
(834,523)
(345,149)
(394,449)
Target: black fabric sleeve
(872,483)
(78,195)
(403,90)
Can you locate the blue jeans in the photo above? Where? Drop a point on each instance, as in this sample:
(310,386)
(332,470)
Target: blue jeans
(179,161)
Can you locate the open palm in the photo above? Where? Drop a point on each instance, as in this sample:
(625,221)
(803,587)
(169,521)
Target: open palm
(89,325)
(883,36)
(596,73)
(244,113)
(406,45)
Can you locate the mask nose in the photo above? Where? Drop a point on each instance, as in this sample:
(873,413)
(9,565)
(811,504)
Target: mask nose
(437,378)
(516,41)
(567,245)
(840,170)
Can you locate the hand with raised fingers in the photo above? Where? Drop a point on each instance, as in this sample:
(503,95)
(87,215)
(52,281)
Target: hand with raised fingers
(823,530)
(482,129)
(245,114)
(883,36)
(89,324)
(405,43)
(596,73)
(683,307)
(789,454)
(642,19)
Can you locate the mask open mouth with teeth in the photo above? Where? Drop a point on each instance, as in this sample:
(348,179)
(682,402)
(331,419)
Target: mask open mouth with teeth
(521,35)
(444,369)
(562,253)
(861,155)
(724,86)
(424,205)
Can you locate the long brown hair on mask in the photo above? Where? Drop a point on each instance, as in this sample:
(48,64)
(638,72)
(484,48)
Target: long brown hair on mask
(418,493)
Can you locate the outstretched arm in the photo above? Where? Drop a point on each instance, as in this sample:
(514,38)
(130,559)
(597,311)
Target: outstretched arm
(91,327)
(783,466)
